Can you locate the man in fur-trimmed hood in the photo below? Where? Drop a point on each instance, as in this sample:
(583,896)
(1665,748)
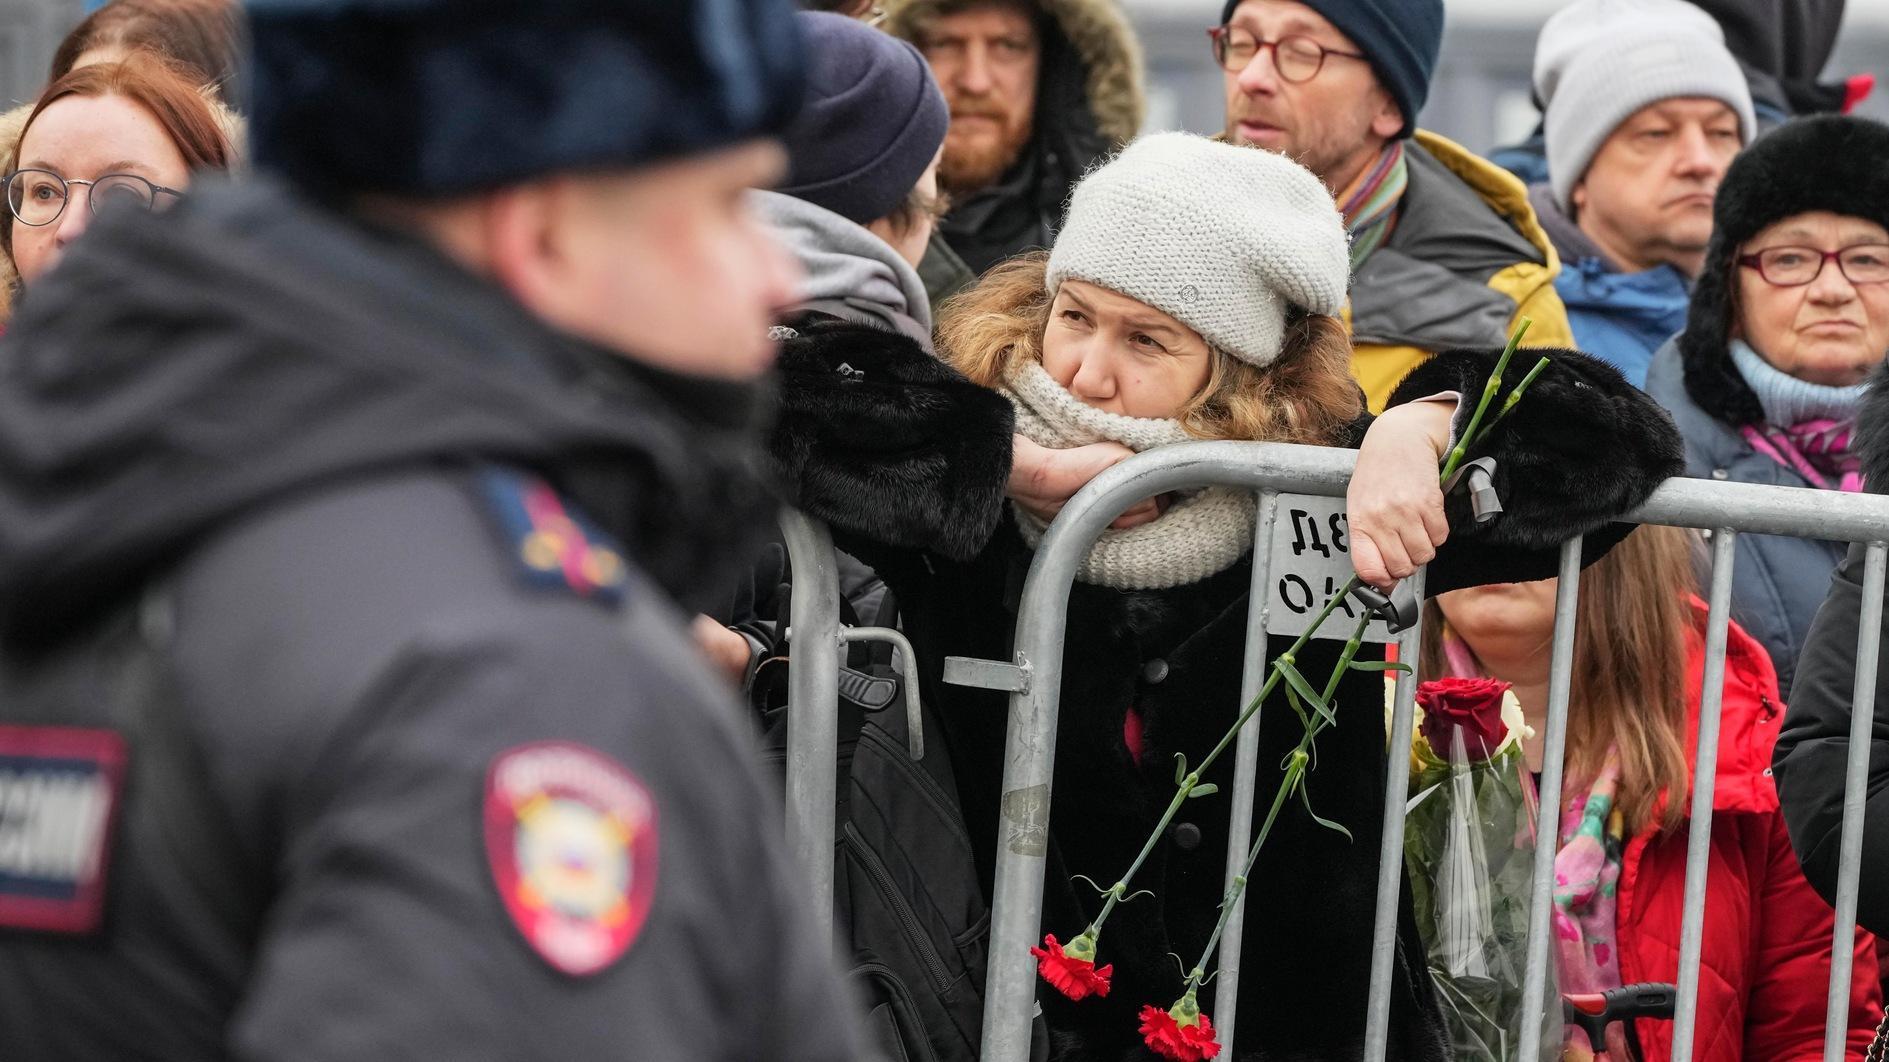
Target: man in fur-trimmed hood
(1039,90)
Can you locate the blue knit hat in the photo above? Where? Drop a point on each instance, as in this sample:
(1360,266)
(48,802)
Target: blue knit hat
(441,97)
(873,120)
(1400,38)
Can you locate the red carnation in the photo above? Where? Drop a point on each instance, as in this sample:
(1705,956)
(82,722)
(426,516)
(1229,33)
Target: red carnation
(1181,1033)
(1070,969)
(1472,705)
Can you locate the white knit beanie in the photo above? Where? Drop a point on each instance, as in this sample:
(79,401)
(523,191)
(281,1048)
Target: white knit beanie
(1599,61)
(1221,238)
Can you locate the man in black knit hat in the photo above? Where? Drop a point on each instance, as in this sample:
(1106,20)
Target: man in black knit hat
(1445,250)
(348,518)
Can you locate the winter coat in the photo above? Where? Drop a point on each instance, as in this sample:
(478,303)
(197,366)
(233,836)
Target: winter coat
(1464,263)
(374,573)
(1620,318)
(908,463)
(1090,100)
(1812,750)
(1765,959)
(1777,582)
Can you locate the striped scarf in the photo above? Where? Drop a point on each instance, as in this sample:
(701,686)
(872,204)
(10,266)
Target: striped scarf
(1370,204)
(1818,450)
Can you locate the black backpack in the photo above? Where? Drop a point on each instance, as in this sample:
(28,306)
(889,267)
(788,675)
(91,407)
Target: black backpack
(906,896)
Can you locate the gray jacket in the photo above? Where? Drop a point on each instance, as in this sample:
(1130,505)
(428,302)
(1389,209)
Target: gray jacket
(1777,582)
(372,742)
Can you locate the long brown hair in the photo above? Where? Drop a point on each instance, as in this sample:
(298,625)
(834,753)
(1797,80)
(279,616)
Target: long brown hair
(1634,628)
(187,116)
(202,36)
(1307,395)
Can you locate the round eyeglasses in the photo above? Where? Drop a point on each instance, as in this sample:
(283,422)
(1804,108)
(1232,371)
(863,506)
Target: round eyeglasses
(1794,267)
(1296,57)
(38,197)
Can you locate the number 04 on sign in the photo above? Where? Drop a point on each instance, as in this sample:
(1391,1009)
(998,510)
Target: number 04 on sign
(1311,561)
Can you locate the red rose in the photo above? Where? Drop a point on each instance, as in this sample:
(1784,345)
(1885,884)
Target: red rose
(1472,705)
(1071,970)
(1166,1036)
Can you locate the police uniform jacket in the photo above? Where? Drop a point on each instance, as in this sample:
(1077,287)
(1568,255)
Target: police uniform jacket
(347,712)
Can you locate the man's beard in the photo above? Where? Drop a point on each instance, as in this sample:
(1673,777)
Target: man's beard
(970,168)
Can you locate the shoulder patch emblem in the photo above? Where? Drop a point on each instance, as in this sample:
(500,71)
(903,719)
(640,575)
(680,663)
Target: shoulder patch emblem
(571,838)
(552,545)
(59,793)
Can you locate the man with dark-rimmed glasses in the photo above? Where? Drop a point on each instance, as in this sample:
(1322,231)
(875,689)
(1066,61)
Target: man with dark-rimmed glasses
(1445,249)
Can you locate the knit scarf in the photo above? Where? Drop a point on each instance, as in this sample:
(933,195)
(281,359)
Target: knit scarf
(1370,204)
(1203,533)
(1586,902)
(1808,427)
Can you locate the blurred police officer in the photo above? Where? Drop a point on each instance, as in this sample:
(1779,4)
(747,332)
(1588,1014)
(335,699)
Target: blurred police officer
(346,710)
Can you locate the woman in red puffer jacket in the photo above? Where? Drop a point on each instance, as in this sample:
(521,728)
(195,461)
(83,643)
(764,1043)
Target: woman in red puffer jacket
(1620,876)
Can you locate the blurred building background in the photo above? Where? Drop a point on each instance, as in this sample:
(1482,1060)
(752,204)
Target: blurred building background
(1480,98)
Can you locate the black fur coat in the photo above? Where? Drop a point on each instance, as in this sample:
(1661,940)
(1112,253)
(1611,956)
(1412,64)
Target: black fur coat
(907,462)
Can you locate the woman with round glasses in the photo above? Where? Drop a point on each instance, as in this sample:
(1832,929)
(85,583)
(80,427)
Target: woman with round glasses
(120,135)
(1788,318)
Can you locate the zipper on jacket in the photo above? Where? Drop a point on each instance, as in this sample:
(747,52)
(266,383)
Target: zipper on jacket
(901,909)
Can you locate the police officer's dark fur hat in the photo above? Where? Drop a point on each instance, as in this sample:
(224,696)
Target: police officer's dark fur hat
(438,97)
(1829,162)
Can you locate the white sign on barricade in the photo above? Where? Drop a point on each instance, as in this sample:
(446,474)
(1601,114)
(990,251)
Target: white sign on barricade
(1311,561)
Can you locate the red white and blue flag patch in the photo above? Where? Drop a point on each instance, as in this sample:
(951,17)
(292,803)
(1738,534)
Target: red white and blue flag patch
(59,793)
(571,837)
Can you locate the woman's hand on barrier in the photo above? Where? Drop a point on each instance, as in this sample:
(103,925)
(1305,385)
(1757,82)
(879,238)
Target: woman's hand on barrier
(1043,479)
(1394,506)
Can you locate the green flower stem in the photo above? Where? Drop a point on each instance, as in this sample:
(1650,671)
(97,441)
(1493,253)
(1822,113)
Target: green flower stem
(1117,891)
(1514,399)
(1296,763)
(1489,389)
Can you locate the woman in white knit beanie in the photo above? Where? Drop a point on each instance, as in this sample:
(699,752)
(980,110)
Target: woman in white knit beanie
(1196,291)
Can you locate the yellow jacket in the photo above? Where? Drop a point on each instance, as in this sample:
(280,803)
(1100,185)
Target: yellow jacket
(1466,260)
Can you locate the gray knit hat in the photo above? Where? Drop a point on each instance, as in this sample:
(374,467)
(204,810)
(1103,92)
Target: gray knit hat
(1221,238)
(1599,61)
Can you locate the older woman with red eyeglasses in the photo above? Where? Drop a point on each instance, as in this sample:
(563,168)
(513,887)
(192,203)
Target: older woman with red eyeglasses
(1789,317)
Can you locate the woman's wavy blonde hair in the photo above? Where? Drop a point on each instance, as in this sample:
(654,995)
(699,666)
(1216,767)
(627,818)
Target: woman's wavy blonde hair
(1305,396)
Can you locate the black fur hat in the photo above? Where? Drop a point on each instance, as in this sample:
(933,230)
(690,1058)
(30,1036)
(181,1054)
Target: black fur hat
(1828,162)
(440,97)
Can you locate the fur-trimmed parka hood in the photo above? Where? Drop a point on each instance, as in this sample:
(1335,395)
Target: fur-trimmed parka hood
(1103,41)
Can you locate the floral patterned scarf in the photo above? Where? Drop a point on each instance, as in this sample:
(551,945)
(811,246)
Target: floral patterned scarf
(1586,899)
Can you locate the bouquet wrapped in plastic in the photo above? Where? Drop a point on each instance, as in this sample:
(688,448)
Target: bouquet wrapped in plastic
(1469,840)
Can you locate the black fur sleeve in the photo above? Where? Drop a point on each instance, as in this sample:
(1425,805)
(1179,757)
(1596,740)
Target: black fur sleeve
(883,441)
(1583,448)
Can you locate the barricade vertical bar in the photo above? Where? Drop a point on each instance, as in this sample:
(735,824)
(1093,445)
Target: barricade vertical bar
(1704,777)
(1553,752)
(1836,1022)
(1245,765)
(813,690)
(1390,852)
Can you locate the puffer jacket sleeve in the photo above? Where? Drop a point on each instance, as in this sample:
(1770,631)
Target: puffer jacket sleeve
(1790,962)
(1582,449)
(1809,761)
(888,445)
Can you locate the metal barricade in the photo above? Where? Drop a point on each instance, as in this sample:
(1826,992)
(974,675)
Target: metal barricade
(1033,677)
(819,640)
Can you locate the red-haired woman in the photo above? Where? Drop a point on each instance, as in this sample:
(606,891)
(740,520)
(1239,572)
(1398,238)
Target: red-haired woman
(111,135)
